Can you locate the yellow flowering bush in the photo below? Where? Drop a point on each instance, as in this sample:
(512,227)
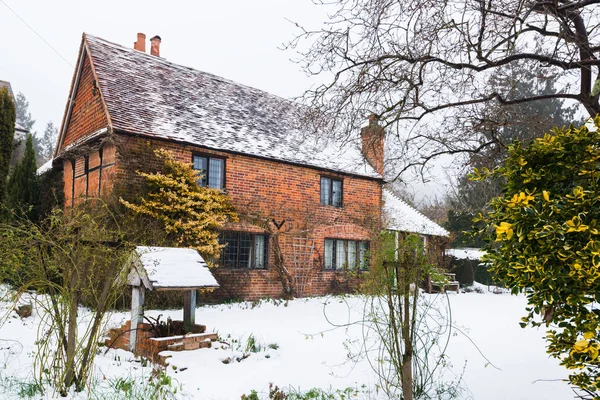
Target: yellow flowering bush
(543,235)
(190,214)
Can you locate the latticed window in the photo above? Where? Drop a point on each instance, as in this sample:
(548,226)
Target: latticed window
(346,254)
(331,192)
(244,250)
(212,169)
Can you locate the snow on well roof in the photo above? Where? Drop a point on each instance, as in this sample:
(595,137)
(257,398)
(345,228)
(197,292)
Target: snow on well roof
(150,96)
(402,217)
(174,268)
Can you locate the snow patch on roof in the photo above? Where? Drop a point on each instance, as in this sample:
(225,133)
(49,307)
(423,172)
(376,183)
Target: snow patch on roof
(402,217)
(150,96)
(19,128)
(171,267)
(47,166)
(466,254)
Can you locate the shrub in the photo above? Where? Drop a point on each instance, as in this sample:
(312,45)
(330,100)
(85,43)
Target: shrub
(464,270)
(543,235)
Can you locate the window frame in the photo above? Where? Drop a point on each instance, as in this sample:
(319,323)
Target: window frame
(331,179)
(251,255)
(207,172)
(357,258)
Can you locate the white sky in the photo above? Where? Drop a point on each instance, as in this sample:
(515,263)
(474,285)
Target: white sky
(236,39)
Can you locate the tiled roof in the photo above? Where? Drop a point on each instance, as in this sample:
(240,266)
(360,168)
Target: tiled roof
(150,96)
(400,216)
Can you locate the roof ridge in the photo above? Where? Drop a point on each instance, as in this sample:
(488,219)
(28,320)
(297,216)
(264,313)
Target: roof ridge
(150,96)
(176,65)
(396,197)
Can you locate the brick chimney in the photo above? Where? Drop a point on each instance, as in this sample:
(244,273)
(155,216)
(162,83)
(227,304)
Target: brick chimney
(140,45)
(155,46)
(372,137)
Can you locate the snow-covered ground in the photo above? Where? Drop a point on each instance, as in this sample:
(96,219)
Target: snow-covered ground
(300,348)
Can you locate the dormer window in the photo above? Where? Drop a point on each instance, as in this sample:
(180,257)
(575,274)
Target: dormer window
(331,192)
(212,170)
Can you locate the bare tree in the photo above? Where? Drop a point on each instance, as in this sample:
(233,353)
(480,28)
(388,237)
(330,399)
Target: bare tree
(425,66)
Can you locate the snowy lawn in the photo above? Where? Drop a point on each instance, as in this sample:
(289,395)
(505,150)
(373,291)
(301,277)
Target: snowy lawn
(296,346)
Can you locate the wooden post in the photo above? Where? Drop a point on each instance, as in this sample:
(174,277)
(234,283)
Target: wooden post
(189,309)
(137,313)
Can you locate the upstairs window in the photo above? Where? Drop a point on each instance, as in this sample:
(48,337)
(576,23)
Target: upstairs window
(331,192)
(244,250)
(212,170)
(346,254)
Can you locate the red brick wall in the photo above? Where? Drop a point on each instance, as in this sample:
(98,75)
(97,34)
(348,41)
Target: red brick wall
(87,115)
(279,191)
(261,190)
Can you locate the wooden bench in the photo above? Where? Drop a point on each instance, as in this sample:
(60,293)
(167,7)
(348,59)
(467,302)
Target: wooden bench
(447,282)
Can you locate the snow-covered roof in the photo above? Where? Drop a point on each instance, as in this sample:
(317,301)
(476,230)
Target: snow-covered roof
(147,95)
(402,217)
(19,128)
(47,166)
(467,253)
(163,268)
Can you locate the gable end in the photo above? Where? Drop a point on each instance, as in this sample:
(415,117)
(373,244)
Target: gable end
(85,112)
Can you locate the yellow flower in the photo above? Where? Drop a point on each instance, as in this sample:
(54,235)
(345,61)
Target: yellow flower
(521,198)
(504,229)
(546,195)
(581,346)
(575,225)
(578,192)
(593,351)
(588,335)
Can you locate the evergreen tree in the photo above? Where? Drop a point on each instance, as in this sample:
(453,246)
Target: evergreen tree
(25,121)
(44,146)
(23,186)
(23,115)
(502,125)
(7,132)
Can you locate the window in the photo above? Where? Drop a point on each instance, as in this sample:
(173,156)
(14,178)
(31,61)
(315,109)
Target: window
(212,170)
(331,192)
(244,250)
(350,254)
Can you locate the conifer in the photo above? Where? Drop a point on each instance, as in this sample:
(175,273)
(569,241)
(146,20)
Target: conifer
(7,133)
(23,185)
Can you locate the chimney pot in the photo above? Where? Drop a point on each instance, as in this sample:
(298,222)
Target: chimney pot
(155,46)
(140,45)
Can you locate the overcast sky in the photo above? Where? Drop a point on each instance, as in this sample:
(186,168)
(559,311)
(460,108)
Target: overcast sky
(237,39)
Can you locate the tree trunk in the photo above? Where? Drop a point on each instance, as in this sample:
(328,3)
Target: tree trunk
(70,376)
(407,376)
(71,343)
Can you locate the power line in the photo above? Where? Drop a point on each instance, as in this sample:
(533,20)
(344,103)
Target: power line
(37,34)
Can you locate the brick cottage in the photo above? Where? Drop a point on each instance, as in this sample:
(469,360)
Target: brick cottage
(308,209)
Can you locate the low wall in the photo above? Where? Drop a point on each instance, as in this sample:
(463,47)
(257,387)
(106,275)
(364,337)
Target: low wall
(149,346)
